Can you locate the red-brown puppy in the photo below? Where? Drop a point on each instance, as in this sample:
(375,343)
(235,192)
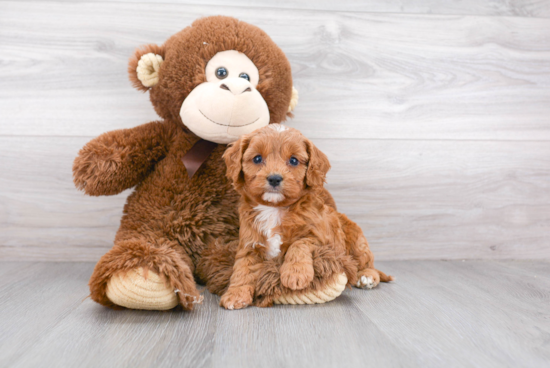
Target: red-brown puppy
(283,213)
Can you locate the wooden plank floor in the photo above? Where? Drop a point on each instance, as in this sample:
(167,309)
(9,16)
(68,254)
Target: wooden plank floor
(437,314)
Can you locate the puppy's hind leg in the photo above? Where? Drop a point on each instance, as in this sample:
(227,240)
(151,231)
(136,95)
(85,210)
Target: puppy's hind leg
(367,277)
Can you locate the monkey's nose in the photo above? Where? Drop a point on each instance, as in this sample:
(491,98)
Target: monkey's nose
(274,180)
(236,86)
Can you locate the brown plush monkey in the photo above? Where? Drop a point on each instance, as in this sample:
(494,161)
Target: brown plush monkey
(210,83)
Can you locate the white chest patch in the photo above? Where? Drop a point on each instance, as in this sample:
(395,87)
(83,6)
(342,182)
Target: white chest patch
(266,220)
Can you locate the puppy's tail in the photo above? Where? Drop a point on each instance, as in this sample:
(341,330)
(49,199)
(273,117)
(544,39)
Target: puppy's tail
(384,277)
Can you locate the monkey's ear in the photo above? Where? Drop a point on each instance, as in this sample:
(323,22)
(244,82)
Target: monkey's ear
(233,157)
(317,167)
(293,100)
(144,66)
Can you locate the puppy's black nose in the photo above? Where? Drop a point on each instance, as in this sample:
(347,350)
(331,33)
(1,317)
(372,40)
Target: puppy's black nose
(274,180)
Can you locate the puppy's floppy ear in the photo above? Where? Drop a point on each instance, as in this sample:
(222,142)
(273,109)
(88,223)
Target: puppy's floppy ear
(233,157)
(317,167)
(144,66)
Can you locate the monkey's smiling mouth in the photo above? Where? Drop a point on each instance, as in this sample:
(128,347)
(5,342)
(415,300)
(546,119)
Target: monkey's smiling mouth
(228,125)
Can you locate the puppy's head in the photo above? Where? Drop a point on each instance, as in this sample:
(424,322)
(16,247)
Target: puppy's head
(275,165)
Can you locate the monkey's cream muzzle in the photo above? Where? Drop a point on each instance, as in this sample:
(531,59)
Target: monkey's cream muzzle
(222,111)
(227,105)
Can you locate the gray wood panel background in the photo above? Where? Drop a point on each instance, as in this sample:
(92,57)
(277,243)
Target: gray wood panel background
(435,115)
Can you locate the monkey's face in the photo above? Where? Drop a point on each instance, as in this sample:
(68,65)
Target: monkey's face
(220,78)
(227,105)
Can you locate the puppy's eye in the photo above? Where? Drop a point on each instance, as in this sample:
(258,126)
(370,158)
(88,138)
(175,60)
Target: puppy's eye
(221,72)
(244,76)
(257,159)
(293,161)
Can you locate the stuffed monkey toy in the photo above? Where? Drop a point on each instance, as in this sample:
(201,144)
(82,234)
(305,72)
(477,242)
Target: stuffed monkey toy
(210,83)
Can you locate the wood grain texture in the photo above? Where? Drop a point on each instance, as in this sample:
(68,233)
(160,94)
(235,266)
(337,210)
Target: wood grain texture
(518,8)
(360,75)
(26,293)
(437,126)
(413,199)
(426,199)
(476,303)
(92,335)
(42,215)
(437,314)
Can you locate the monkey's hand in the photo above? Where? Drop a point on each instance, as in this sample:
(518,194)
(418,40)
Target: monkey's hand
(120,159)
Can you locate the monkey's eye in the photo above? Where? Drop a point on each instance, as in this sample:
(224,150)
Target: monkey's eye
(293,161)
(257,159)
(244,76)
(221,72)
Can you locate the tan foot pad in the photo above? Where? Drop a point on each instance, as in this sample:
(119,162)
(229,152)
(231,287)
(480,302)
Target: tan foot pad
(132,290)
(331,292)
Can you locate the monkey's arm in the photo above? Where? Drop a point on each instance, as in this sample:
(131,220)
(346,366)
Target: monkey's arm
(120,159)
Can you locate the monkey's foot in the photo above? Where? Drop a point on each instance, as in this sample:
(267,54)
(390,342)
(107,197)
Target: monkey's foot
(137,289)
(330,292)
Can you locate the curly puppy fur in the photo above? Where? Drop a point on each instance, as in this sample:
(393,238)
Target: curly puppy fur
(289,238)
(170,219)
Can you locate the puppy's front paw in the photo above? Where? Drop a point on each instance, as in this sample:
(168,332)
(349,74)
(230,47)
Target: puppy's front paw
(237,298)
(297,276)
